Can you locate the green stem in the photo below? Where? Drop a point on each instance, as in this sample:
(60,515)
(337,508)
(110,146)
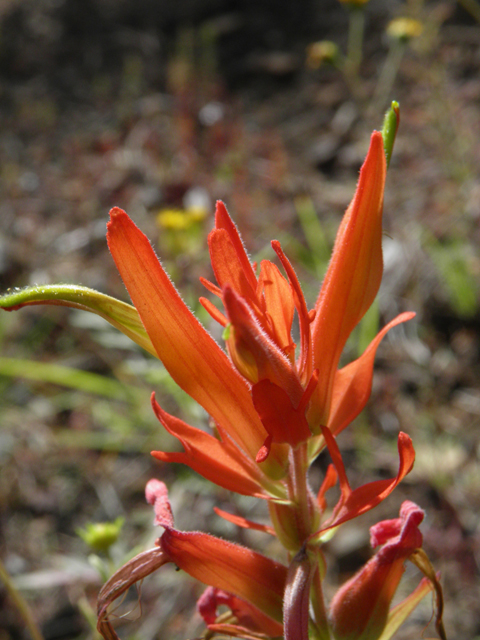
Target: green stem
(20,603)
(321,621)
(300,491)
(356,27)
(388,75)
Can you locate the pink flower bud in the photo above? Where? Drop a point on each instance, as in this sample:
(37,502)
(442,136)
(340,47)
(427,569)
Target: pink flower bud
(360,608)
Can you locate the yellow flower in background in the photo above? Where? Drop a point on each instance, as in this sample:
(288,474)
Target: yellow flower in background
(404,29)
(321,52)
(180,219)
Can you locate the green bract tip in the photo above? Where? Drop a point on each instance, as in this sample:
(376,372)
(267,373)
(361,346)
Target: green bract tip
(389,129)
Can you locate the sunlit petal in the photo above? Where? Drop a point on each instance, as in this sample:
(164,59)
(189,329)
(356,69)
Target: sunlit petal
(228,566)
(278,304)
(353,276)
(305,366)
(227,266)
(189,353)
(224,221)
(215,460)
(243,522)
(353,503)
(353,384)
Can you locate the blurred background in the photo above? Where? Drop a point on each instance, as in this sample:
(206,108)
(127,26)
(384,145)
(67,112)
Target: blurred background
(161,108)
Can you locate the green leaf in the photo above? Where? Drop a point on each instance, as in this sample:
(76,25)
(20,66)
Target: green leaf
(67,377)
(454,263)
(400,613)
(368,327)
(121,315)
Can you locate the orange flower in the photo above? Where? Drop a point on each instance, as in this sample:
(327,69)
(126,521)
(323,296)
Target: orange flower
(273,408)
(264,400)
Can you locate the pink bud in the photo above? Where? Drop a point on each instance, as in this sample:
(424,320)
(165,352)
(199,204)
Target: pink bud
(360,608)
(156,494)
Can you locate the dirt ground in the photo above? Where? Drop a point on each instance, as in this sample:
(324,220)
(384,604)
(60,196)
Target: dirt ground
(221,103)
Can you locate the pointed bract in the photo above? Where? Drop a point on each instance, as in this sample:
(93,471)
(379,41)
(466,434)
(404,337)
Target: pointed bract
(305,367)
(216,460)
(227,265)
(279,306)
(224,565)
(244,523)
(224,221)
(353,384)
(353,503)
(189,353)
(353,277)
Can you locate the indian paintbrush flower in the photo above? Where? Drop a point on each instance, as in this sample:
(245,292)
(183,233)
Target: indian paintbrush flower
(275,406)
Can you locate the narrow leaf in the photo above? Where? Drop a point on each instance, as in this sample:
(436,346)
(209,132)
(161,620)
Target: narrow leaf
(119,314)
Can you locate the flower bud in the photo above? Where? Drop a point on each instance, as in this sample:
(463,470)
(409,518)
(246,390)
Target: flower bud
(359,610)
(101,535)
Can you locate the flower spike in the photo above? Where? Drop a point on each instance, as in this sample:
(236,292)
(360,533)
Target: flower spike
(272,408)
